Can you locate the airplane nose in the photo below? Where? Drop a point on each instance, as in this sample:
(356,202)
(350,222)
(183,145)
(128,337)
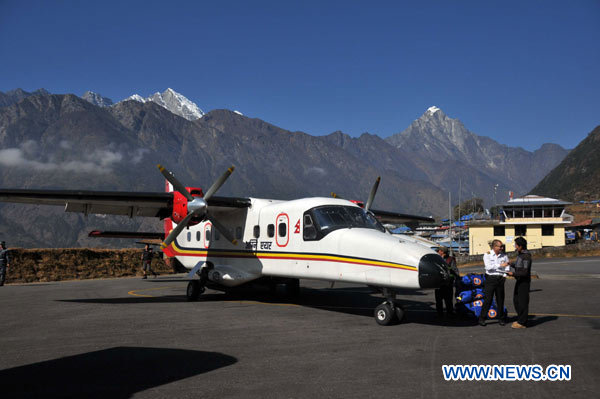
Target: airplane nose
(433,271)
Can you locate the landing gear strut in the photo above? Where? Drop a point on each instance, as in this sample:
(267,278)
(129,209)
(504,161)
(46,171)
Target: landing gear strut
(196,287)
(389,312)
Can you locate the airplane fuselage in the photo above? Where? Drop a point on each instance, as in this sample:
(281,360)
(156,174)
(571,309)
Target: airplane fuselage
(311,238)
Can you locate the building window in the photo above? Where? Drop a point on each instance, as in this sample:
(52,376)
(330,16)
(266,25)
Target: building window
(547,229)
(499,231)
(520,230)
(271,230)
(256,231)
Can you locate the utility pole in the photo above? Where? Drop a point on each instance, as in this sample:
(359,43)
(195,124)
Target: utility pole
(450,220)
(459,211)
(494,204)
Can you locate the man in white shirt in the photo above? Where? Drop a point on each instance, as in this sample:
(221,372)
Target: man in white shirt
(496,266)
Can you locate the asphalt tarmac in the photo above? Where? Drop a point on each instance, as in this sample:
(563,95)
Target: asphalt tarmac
(122,338)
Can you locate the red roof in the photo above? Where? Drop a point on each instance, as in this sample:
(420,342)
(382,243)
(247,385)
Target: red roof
(585,222)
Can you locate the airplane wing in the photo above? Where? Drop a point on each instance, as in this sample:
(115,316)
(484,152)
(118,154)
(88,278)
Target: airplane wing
(399,218)
(146,235)
(151,204)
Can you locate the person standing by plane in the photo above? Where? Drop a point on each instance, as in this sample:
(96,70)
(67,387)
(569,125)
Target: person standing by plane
(4,262)
(444,294)
(147,256)
(495,269)
(521,270)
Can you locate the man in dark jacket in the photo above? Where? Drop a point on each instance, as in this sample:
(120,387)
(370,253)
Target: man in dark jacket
(4,262)
(521,270)
(444,294)
(147,256)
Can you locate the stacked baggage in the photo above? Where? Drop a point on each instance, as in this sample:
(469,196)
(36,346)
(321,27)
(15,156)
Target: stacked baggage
(470,296)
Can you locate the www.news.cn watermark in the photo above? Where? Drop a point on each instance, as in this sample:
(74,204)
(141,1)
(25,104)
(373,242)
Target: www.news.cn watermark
(506,372)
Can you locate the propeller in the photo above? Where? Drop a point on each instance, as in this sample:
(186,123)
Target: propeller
(175,183)
(197,207)
(372,195)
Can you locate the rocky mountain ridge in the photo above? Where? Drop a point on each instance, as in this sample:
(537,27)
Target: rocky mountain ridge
(577,177)
(445,146)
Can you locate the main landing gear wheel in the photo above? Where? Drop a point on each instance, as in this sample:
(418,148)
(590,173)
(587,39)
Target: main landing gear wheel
(194,289)
(389,312)
(385,314)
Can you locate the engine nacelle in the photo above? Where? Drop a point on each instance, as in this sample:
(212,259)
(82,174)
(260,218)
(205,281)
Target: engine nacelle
(180,204)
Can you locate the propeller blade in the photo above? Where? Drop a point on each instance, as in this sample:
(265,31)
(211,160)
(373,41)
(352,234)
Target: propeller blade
(223,230)
(372,195)
(176,183)
(175,232)
(217,185)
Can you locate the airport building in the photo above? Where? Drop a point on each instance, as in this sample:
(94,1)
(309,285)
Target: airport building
(540,220)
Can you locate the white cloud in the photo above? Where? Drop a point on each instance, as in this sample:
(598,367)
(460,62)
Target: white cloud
(138,155)
(315,170)
(98,161)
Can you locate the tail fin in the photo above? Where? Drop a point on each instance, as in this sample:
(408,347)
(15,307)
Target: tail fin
(168,223)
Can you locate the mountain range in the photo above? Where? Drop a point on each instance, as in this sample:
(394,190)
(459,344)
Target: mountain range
(64,141)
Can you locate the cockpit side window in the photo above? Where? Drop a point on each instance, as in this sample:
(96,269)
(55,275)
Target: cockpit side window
(333,217)
(309,232)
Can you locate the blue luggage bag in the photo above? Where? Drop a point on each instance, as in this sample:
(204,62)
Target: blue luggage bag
(470,303)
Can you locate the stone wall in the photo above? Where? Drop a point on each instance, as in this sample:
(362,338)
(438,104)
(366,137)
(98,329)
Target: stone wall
(30,265)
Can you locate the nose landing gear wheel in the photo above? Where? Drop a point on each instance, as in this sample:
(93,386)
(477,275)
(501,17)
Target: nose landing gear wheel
(194,289)
(385,314)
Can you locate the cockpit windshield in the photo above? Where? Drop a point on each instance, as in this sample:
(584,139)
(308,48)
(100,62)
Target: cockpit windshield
(333,217)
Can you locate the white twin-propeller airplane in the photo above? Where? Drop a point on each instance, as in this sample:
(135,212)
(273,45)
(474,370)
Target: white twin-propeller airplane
(229,241)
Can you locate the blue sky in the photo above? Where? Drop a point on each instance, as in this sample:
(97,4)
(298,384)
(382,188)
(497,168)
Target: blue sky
(521,72)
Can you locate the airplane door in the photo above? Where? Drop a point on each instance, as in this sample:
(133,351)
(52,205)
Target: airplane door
(282,235)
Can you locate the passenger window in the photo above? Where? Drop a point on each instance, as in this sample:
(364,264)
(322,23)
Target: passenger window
(189,236)
(256,231)
(282,229)
(208,235)
(198,236)
(271,230)
(238,233)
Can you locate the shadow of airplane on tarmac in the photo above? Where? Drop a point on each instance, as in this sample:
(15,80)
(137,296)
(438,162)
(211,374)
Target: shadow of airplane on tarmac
(358,301)
(118,372)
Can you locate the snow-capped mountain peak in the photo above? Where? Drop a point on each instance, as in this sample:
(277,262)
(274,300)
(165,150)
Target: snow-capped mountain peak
(97,99)
(174,102)
(136,97)
(432,110)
